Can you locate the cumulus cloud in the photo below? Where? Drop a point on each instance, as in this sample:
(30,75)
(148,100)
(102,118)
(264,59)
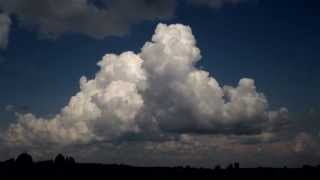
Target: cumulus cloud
(156,92)
(96,18)
(217,3)
(5,23)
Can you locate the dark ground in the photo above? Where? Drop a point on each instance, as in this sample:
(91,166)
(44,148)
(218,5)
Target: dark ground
(23,167)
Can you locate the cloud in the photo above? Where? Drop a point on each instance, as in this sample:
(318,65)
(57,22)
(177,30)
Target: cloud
(208,150)
(9,107)
(217,3)
(305,142)
(155,93)
(16,108)
(95,18)
(5,23)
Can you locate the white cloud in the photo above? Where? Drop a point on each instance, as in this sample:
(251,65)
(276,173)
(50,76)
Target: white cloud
(5,23)
(156,91)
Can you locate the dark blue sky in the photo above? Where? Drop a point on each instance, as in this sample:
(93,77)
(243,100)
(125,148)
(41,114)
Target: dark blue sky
(273,42)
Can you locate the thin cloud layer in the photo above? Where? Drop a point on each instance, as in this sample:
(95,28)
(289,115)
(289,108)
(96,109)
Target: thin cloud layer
(5,23)
(157,92)
(95,18)
(217,3)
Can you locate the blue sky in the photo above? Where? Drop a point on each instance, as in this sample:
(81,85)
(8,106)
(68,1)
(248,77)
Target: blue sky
(274,42)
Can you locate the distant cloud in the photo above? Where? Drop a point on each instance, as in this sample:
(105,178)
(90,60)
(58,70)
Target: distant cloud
(16,108)
(305,142)
(217,3)
(94,18)
(9,107)
(101,19)
(5,23)
(153,93)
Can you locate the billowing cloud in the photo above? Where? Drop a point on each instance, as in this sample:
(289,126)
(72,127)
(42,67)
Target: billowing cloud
(5,23)
(154,93)
(217,3)
(95,18)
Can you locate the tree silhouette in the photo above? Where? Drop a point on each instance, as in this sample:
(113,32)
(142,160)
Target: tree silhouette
(24,159)
(63,166)
(230,167)
(59,160)
(236,165)
(70,161)
(217,168)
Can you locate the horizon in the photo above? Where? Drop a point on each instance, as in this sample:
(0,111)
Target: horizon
(69,160)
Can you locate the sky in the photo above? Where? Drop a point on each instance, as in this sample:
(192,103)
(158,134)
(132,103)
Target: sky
(150,82)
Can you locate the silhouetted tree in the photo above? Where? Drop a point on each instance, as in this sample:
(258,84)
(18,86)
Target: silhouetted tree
(236,165)
(9,162)
(59,160)
(217,168)
(70,161)
(24,159)
(230,166)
